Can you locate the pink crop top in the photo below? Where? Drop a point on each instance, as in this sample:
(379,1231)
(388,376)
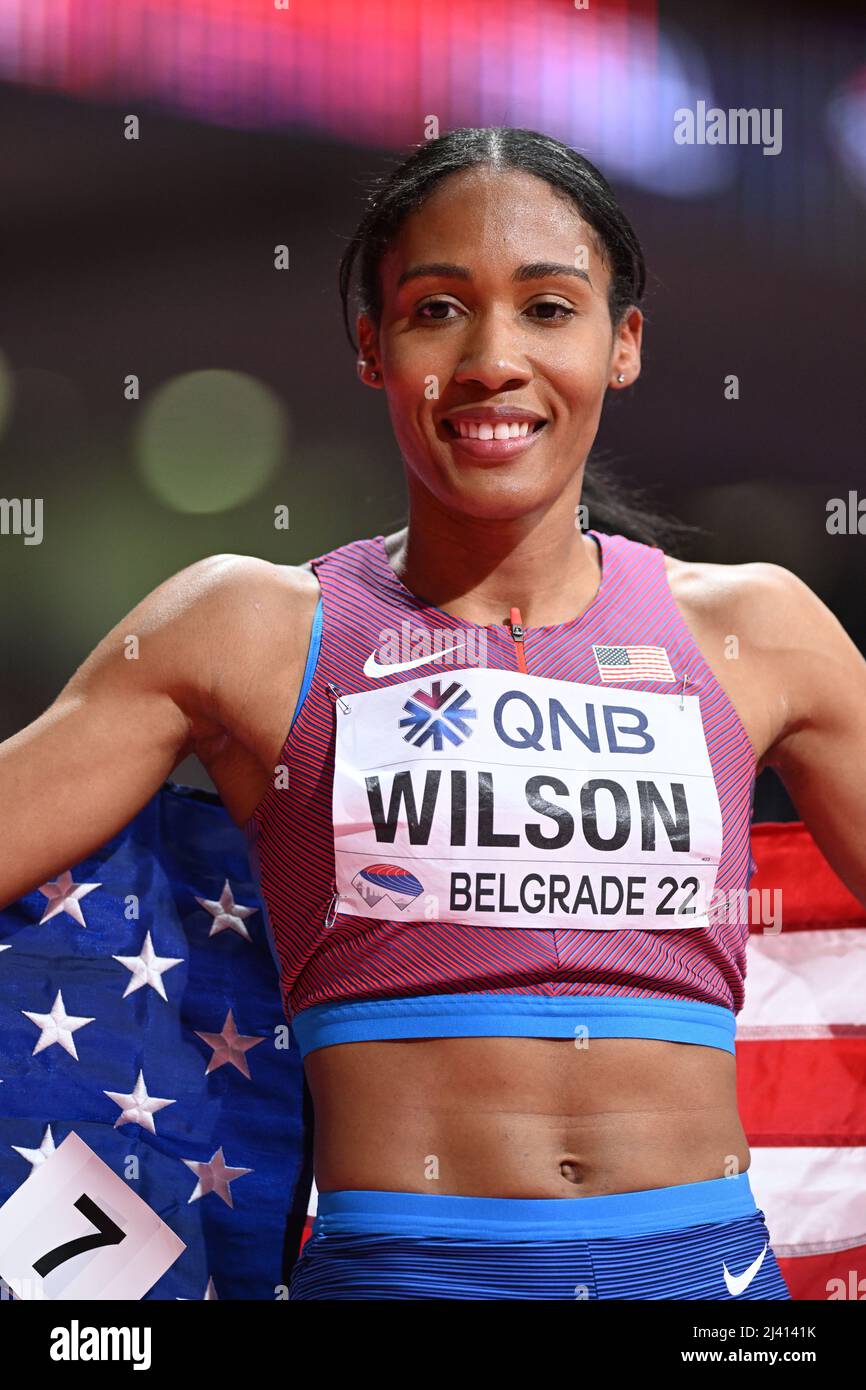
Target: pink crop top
(497,831)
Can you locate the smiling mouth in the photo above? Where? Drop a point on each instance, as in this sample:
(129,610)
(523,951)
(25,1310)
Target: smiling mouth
(534,427)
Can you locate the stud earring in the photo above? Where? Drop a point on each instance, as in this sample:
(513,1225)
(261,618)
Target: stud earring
(620,376)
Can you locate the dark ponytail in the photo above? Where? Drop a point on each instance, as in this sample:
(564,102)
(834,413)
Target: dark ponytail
(612,506)
(620,508)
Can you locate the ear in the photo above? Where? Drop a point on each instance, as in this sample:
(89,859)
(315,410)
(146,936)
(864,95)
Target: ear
(368,357)
(625,353)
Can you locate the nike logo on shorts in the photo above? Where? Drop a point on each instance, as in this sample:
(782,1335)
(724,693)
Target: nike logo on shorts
(373,671)
(738,1283)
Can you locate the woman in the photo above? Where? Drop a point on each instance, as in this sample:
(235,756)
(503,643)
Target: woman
(504,843)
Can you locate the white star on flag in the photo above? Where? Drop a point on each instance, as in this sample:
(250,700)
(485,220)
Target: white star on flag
(63,896)
(229,1046)
(210,1293)
(148,968)
(36,1157)
(139,1108)
(57,1027)
(227,914)
(214,1176)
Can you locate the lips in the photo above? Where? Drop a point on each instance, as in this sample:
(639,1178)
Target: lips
(493,451)
(472,430)
(503,412)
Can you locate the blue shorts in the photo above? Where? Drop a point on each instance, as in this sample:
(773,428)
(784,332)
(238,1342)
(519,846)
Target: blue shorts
(693,1241)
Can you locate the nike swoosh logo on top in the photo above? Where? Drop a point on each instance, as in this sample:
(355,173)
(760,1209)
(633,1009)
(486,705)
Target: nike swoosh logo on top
(738,1283)
(373,671)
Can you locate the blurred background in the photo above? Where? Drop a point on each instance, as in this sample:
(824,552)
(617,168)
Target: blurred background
(258,123)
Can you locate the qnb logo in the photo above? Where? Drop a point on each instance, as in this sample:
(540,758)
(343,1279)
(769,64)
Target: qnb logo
(76,1343)
(438,716)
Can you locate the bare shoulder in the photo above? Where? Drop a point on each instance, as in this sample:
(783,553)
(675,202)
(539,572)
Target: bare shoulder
(237,629)
(233,600)
(762,630)
(197,613)
(261,615)
(245,585)
(757,591)
(219,581)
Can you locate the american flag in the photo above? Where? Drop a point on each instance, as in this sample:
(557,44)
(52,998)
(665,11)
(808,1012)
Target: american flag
(633,664)
(801,1065)
(801,1052)
(140,1009)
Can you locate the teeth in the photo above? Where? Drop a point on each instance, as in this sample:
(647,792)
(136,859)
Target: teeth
(472,430)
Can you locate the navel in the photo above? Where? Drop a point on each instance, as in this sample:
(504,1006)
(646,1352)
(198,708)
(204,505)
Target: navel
(571,1170)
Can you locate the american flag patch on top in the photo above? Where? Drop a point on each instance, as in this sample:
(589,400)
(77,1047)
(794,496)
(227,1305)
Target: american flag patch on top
(633,663)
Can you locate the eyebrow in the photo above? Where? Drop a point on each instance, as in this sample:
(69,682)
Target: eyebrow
(535,270)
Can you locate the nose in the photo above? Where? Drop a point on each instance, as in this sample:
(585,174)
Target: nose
(492,359)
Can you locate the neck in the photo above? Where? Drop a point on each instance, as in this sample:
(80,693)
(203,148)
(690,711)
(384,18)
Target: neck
(478,569)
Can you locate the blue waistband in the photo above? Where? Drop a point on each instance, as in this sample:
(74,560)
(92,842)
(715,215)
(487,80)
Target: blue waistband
(515,1016)
(535,1218)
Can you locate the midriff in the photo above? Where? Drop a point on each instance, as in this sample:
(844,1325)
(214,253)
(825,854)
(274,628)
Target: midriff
(523,1117)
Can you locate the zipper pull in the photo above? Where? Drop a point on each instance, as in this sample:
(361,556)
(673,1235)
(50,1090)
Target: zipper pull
(517,633)
(336,695)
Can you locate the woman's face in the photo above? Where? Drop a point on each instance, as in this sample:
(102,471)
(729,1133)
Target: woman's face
(493,321)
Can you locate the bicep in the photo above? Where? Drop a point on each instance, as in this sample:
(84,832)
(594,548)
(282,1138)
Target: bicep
(821,753)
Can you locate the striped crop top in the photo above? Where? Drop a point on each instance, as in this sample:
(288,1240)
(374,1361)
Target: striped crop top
(492,831)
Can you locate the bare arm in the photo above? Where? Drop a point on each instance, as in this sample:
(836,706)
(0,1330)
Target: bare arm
(821,752)
(132,711)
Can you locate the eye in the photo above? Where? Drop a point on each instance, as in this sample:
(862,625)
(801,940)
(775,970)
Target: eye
(434,304)
(564,309)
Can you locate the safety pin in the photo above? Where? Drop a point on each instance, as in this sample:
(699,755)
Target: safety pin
(683,687)
(336,695)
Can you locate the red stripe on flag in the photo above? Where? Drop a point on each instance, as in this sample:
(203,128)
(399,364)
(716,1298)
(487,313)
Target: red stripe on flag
(812,893)
(835,1276)
(803,1091)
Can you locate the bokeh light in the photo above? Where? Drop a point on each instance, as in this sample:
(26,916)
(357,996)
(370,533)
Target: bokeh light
(846,128)
(209,440)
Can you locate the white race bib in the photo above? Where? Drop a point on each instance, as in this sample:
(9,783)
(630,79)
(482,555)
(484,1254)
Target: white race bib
(493,798)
